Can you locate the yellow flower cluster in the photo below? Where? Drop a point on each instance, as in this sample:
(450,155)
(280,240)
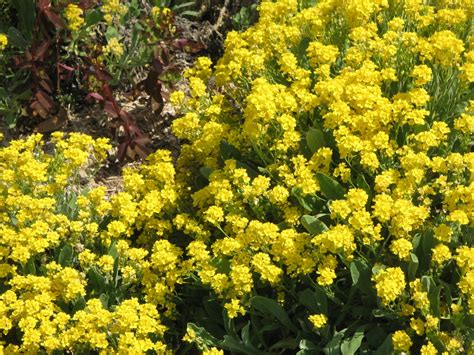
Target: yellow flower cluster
(389,284)
(401,341)
(318,320)
(112,10)
(114,47)
(53,248)
(74,17)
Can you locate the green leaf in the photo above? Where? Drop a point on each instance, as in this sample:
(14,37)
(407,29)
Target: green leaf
(26,11)
(317,301)
(307,345)
(386,347)
(310,203)
(434,296)
(330,188)
(380,313)
(93,17)
(427,282)
(16,39)
(412,267)
(180,6)
(350,346)
(116,271)
(104,299)
(315,139)
(113,250)
(271,307)
(361,275)
(228,151)
(313,225)
(428,242)
(236,345)
(65,255)
(30,267)
(79,304)
(203,335)
(205,171)
(333,347)
(221,264)
(190,13)
(250,171)
(355,273)
(416,241)
(321,299)
(362,183)
(245,334)
(376,335)
(287,343)
(377,268)
(96,280)
(112,32)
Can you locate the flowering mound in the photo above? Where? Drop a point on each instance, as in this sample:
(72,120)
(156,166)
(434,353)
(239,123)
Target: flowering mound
(323,201)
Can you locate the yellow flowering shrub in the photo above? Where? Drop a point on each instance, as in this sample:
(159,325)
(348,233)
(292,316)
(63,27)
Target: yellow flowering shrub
(69,269)
(322,200)
(338,172)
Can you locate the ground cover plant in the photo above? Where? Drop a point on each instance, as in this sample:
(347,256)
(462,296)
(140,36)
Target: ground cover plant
(322,200)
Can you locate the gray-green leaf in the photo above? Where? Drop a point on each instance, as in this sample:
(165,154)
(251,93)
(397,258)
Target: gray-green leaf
(315,139)
(313,225)
(330,188)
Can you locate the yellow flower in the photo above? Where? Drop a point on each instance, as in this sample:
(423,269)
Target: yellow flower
(74,17)
(465,257)
(458,216)
(357,198)
(234,308)
(263,265)
(401,247)
(241,277)
(339,238)
(401,341)
(318,320)
(429,349)
(114,47)
(431,322)
(190,335)
(441,254)
(422,74)
(116,229)
(177,97)
(419,296)
(106,263)
(112,10)
(443,233)
(444,47)
(3,41)
(417,325)
(214,215)
(326,271)
(343,171)
(155,13)
(389,284)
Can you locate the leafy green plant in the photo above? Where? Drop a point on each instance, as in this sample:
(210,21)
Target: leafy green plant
(245,17)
